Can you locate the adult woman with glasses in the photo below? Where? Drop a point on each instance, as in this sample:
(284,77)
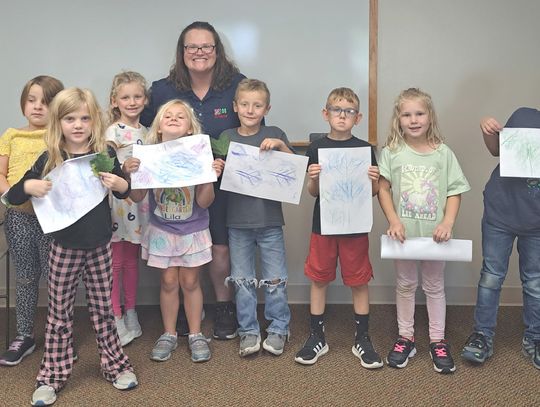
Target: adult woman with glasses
(204,77)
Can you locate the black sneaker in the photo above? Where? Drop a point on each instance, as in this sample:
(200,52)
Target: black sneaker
(478,348)
(225,323)
(314,348)
(363,350)
(20,347)
(182,326)
(401,352)
(441,357)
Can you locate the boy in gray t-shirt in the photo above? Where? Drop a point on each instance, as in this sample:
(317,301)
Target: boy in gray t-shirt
(256,222)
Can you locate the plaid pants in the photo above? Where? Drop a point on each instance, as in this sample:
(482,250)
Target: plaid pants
(66,265)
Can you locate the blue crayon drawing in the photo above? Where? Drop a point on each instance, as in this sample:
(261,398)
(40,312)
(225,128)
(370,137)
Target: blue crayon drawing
(268,174)
(177,163)
(250,175)
(345,190)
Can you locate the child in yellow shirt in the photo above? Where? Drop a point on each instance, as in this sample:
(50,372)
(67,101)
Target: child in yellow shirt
(28,246)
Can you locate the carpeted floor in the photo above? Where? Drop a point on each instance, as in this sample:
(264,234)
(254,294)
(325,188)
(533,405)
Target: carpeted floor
(507,379)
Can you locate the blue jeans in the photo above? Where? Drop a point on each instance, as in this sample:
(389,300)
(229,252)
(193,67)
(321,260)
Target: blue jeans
(243,246)
(497,246)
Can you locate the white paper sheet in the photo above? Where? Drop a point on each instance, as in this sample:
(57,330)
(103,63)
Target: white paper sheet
(425,248)
(270,175)
(345,190)
(519,152)
(177,163)
(75,192)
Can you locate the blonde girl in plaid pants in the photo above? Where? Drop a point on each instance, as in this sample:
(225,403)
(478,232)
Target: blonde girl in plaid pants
(81,250)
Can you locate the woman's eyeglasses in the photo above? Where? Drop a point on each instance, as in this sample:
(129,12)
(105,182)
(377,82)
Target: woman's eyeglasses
(193,49)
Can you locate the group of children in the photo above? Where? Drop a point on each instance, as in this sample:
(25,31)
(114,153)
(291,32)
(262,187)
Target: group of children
(418,181)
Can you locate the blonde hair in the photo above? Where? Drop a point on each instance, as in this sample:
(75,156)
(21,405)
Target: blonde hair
(65,102)
(395,137)
(113,113)
(154,134)
(252,85)
(347,94)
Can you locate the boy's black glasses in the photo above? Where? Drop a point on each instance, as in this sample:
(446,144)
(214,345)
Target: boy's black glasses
(336,111)
(193,49)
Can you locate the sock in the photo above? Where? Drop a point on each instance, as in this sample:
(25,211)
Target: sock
(317,324)
(362,323)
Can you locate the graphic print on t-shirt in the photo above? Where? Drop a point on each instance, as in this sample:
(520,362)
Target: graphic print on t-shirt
(174,203)
(533,186)
(419,192)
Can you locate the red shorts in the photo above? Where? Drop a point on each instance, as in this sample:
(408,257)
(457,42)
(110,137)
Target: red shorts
(353,256)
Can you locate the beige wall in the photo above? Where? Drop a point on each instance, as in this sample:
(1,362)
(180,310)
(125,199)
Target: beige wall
(475,58)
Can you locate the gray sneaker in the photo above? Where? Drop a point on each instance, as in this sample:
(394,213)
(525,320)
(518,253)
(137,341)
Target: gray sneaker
(274,343)
(531,349)
(131,321)
(249,344)
(527,347)
(478,348)
(200,351)
(164,346)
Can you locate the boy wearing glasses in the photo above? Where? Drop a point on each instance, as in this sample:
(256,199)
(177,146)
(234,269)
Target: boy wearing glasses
(342,114)
(257,223)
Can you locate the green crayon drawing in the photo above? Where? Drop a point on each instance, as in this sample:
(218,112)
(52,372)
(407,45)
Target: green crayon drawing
(521,149)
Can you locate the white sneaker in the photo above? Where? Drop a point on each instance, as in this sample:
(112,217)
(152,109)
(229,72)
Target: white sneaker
(131,321)
(43,396)
(126,381)
(124,335)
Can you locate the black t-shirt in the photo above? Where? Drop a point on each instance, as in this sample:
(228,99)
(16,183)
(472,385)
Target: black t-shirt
(92,230)
(313,154)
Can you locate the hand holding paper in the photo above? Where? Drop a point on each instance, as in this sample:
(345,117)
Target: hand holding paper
(74,192)
(177,163)
(264,174)
(425,248)
(37,187)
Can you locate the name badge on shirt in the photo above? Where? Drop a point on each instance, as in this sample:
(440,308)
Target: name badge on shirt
(220,113)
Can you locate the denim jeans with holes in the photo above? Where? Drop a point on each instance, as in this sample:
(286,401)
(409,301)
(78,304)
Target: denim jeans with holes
(243,245)
(497,246)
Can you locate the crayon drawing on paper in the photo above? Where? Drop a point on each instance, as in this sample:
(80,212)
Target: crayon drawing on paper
(264,174)
(519,152)
(75,192)
(345,190)
(177,163)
